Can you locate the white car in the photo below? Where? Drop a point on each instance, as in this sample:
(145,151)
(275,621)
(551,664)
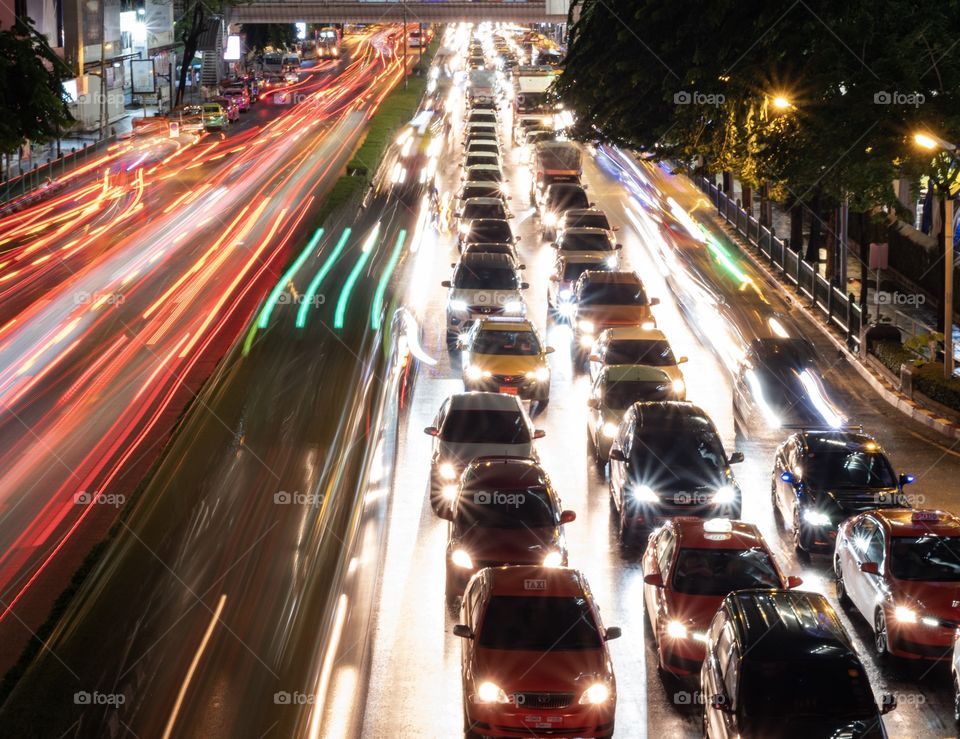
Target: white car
(483,285)
(471,425)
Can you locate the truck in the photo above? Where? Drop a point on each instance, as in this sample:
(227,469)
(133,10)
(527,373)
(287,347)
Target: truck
(482,87)
(554,161)
(530,93)
(328,43)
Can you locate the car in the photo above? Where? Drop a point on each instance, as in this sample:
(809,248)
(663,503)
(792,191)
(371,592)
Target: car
(214,117)
(483,173)
(567,268)
(820,478)
(900,569)
(240,94)
(667,460)
(526,123)
(230,106)
(482,115)
(534,655)
(508,356)
(475,137)
(780,664)
(494,248)
(291,78)
(689,567)
(472,159)
(190,118)
(471,425)
(506,512)
(474,130)
(585,218)
(483,146)
(617,387)
(482,285)
(485,189)
(596,308)
(484,229)
(589,241)
(473,208)
(556,199)
(638,345)
(778,384)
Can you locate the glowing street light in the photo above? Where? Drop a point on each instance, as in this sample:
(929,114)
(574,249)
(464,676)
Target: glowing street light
(781,103)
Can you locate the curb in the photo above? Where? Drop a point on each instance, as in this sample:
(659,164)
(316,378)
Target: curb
(894,397)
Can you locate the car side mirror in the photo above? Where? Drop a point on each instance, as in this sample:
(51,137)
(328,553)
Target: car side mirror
(521,266)
(431,431)
(617,455)
(888,703)
(445,283)
(654,301)
(452,265)
(595,358)
(718,702)
(549,350)
(524,285)
(568,516)
(870,568)
(539,433)
(612,632)
(593,403)
(794,581)
(906,479)
(735,458)
(618,247)
(683,360)
(463,631)
(655,579)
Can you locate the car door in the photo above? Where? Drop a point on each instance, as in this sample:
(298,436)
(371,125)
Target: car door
(786,491)
(872,588)
(649,568)
(619,469)
(862,548)
(721,723)
(664,562)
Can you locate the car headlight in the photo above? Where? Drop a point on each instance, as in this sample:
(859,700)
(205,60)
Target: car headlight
(586,326)
(464,229)
(461,558)
(540,374)
(473,372)
(595,694)
(549,219)
(725,494)
(816,518)
(611,261)
(905,615)
(564,295)
(447,471)
(644,493)
(491,693)
(609,430)
(679,386)
(459,306)
(676,630)
(513,306)
(553,559)
(449,492)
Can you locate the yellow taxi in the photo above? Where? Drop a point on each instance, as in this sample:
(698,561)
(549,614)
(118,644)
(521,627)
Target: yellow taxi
(506,355)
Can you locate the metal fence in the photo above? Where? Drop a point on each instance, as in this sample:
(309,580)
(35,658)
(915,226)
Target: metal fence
(837,308)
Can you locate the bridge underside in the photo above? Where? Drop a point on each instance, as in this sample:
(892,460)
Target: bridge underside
(442,11)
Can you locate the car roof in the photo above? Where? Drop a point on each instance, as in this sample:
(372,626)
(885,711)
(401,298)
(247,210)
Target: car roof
(544,145)
(833,440)
(480,401)
(482,201)
(535,580)
(633,373)
(504,323)
(484,258)
(560,186)
(697,533)
(484,166)
(666,412)
(775,625)
(914,522)
(578,212)
(488,247)
(623,276)
(504,471)
(632,333)
(585,231)
(580,257)
(485,184)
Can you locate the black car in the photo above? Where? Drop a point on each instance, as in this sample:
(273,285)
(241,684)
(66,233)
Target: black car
(821,478)
(487,230)
(556,199)
(780,665)
(666,460)
(779,385)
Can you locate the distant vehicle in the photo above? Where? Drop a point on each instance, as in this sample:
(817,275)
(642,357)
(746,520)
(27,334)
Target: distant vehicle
(290,62)
(483,87)
(229,105)
(531,91)
(272,63)
(239,96)
(415,39)
(214,117)
(328,43)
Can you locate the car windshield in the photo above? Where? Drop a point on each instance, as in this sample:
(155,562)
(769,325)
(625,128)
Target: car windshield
(482,148)
(568,197)
(481,248)
(483,210)
(482,118)
(585,242)
(492,231)
(925,558)
(721,571)
(586,220)
(613,293)
(822,687)
(572,272)
(476,158)
(539,624)
(485,427)
(842,469)
(481,191)
(505,508)
(486,278)
(651,352)
(484,174)
(517,343)
(621,395)
(678,453)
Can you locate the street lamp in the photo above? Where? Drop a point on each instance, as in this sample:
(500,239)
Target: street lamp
(781,103)
(932,142)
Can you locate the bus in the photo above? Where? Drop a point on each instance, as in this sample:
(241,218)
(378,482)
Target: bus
(328,43)
(272,63)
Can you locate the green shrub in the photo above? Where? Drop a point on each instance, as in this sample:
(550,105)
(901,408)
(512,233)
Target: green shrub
(892,354)
(928,376)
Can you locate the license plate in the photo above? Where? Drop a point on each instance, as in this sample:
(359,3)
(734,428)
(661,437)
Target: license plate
(507,390)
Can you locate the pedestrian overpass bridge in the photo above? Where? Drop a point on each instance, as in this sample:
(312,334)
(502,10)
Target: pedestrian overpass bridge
(359,11)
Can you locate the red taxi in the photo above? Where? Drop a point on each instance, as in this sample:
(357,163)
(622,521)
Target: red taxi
(505,511)
(535,659)
(900,569)
(689,567)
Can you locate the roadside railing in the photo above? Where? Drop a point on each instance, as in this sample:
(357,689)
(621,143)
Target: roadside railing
(838,309)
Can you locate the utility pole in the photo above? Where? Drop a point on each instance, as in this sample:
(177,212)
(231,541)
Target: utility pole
(948,283)
(404,45)
(103,68)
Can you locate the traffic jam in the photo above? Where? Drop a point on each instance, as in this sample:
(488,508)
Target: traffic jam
(724,615)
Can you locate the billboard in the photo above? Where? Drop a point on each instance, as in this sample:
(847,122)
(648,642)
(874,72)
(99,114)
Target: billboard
(144,77)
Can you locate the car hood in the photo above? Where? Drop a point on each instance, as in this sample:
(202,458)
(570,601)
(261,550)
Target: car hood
(507,364)
(693,610)
(614,315)
(509,546)
(799,727)
(850,501)
(938,599)
(492,298)
(538,671)
(463,453)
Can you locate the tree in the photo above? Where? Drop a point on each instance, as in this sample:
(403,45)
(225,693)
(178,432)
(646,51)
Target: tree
(31,88)
(261,35)
(198,17)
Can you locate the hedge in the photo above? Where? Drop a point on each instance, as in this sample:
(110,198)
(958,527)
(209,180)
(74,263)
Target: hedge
(928,376)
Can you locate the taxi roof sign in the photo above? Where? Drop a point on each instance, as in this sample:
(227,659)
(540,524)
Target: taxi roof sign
(921,516)
(718,526)
(531,584)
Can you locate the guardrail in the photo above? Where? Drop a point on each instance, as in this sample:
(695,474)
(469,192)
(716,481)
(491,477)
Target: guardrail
(838,309)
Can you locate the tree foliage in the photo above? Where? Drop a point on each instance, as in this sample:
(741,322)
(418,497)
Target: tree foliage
(31,88)
(261,35)
(700,87)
